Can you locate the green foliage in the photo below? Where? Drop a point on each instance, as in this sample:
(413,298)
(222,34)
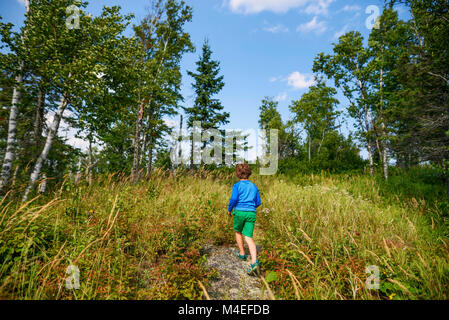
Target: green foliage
(207,84)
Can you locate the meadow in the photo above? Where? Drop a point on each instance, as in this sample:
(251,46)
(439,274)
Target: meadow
(144,240)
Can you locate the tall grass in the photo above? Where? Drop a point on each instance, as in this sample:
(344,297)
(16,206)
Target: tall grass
(144,240)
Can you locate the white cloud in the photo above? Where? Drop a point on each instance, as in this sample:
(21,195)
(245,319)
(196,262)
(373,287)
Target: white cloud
(300,81)
(274,79)
(66,131)
(281,97)
(171,123)
(319,7)
(256,6)
(313,25)
(338,34)
(276,29)
(22,2)
(348,8)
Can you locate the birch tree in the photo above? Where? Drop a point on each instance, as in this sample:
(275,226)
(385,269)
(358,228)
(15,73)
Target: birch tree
(315,111)
(164,42)
(348,66)
(12,123)
(71,59)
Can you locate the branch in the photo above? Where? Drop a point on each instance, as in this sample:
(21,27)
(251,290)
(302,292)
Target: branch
(439,76)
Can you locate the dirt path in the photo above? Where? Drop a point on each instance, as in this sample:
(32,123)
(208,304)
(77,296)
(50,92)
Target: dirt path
(233,282)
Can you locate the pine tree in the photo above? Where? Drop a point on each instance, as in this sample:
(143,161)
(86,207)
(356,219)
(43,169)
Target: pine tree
(207,83)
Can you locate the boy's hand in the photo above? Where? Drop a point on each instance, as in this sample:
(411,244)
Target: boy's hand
(229,214)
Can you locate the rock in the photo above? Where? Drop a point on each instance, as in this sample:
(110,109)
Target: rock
(233,283)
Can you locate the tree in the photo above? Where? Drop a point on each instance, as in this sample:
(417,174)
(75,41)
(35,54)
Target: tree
(13,113)
(270,118)
(207,83)
(72,61)
(387,44)
(316,112)
(163,40)
(424,80)
(348,66)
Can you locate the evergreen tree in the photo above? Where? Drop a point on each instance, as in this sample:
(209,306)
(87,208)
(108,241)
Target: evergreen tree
(207,83)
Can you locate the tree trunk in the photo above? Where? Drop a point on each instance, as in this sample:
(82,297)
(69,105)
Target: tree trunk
(370,142)
(367,117)
(12,136)
(12,124)
(370,152)
(383,127)
(78,174)
(135,169)
(385,155)
(43,185)
(321,143)
(90,164)
(150,154)
(378,146)
(370,156)
(191,153)
(180,142)
(309,152)
(52,132)
(39,118)
(143,148)
(14,176)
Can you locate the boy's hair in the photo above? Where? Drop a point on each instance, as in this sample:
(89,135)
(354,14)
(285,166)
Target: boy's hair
(243,171)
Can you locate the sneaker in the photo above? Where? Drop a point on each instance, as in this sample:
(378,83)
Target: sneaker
(241,257)
(254,269)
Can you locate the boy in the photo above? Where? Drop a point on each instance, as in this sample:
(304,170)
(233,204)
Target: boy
(244,201)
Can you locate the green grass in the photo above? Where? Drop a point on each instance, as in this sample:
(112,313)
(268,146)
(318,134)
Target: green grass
(143,241)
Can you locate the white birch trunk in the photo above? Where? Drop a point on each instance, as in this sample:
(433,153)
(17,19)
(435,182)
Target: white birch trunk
(369,147)
(385,155)
(53,130)
(367,117)
(12,135)
(12,124)
(383,127)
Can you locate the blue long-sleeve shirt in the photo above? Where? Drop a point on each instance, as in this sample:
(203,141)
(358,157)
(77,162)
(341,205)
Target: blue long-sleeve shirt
(245,197)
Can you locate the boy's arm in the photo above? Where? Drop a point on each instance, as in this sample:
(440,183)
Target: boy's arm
(258,200)
(234,198)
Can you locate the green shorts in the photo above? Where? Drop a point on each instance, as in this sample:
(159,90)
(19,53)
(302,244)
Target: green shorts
(244,222)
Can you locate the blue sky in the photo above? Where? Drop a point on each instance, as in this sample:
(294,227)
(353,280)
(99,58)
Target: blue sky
(266,47)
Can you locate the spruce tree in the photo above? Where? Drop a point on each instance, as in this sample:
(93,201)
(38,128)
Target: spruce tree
(207,83)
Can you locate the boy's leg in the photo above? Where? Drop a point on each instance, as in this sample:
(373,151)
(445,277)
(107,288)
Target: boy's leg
(239,238)
(252,249)
(248,230)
